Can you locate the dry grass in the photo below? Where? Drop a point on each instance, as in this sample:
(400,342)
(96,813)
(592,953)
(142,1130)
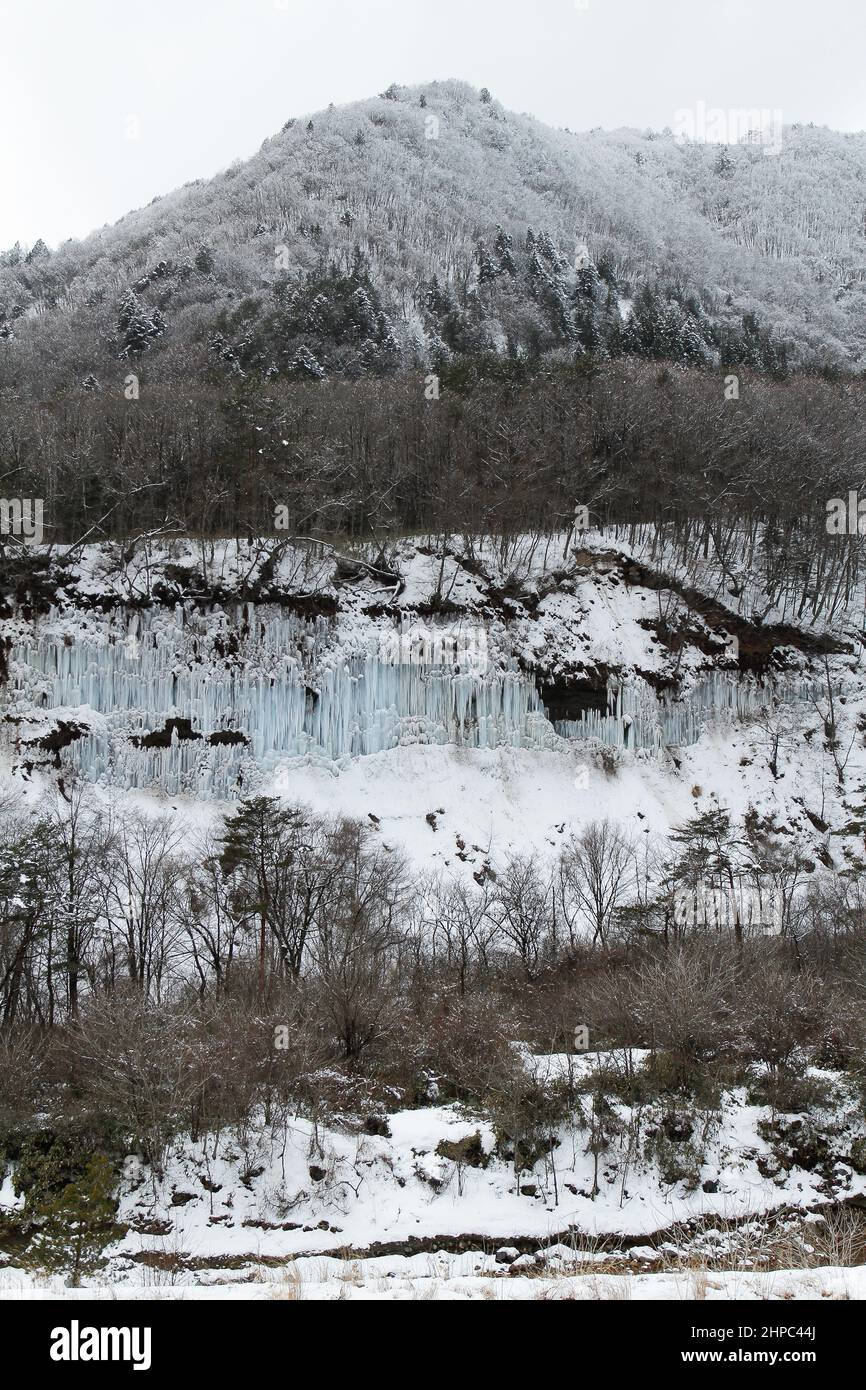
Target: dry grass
(288,1288)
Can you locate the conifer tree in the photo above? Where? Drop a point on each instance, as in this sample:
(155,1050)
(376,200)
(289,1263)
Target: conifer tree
(75,1224)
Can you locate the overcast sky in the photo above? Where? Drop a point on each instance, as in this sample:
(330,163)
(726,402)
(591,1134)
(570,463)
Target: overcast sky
(203,82)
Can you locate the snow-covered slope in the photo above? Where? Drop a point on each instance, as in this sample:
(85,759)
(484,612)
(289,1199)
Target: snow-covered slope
(140,672)
(511,698)
(431,1193)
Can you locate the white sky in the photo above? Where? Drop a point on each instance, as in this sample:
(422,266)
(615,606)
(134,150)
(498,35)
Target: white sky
(208,80)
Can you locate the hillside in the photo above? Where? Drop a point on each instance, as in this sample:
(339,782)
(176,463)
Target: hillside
(444,748)
(430,222)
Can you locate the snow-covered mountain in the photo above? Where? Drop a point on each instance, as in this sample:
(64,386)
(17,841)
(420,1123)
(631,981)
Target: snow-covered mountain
(429,222)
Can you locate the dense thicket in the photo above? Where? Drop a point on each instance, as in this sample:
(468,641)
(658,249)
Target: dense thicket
(504,449)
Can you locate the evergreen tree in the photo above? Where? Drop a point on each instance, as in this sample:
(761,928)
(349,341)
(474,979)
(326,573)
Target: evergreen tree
(437,300)
(709,852)
(487,271)
(548,250)
(305,364)
(612,329)
(259,848)
(204,261)
(127,308)
(589,332)
(607,271)
(137,324)
(589,282)
(38,251)
(75,1224)
(504,252)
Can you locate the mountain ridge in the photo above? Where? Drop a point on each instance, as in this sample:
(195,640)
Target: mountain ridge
(619,242)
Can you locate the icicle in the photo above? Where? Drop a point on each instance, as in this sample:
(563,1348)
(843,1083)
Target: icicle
(284,688)
(294,687)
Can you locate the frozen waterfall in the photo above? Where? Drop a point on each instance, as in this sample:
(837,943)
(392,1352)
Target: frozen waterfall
(636,718)
(278,683)
(248,687)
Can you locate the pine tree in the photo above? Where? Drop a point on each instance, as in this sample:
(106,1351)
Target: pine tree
(710,854)
(548,249)
(612,325)
(258,847)
(607,270)
(589,282)
(75,1224)
(305,364)
(589,332)
(137,336)
(204,261)
(487,271)
(504,252)
(137,324)
(437,300)
(127,309)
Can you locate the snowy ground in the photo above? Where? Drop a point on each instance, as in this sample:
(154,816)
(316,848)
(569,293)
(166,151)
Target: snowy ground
(280,1197)
(392,1281)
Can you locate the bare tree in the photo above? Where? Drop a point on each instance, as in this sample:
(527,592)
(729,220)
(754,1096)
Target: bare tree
(597,874)
(521,908)
(462,930)
(141,896)
(358,932)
